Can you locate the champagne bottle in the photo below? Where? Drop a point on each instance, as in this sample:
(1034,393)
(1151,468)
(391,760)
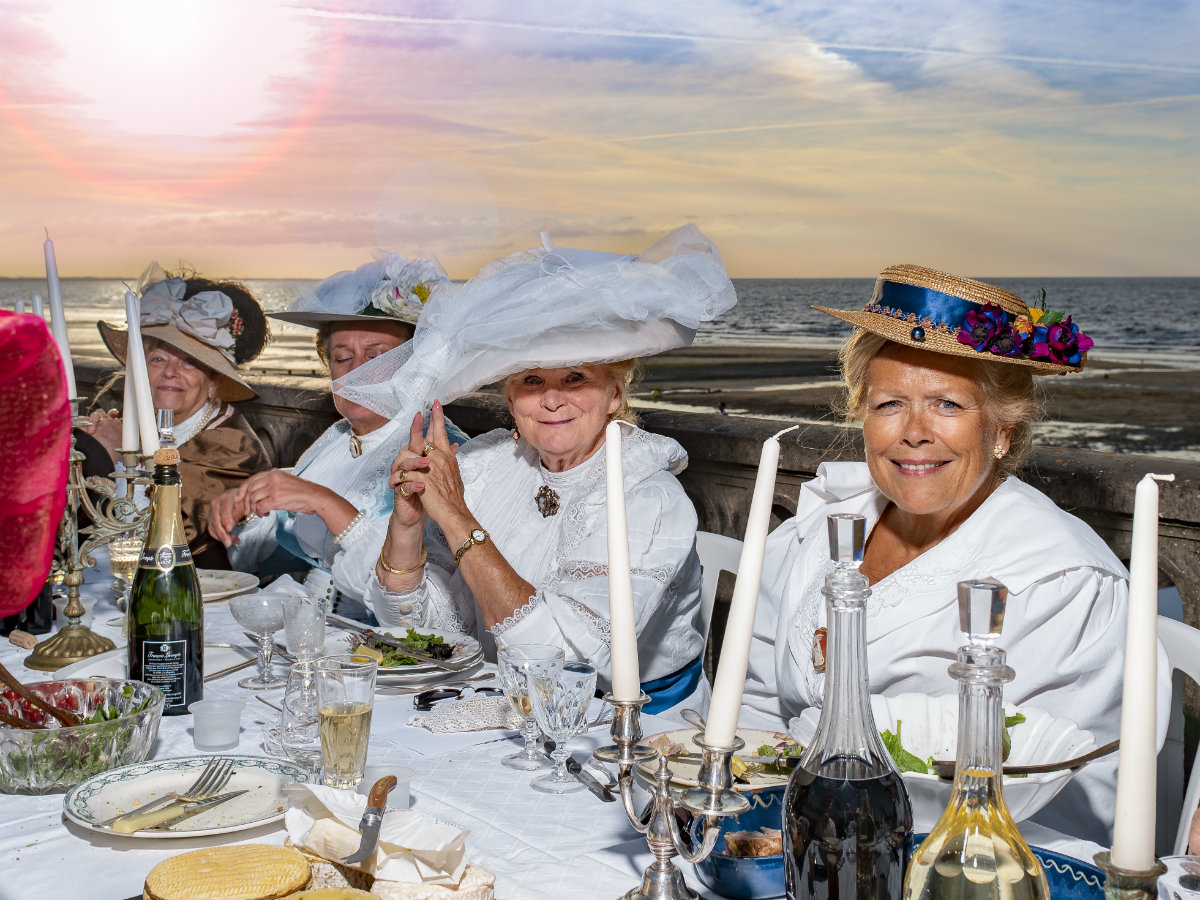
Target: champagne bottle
(166,614)
(847,819)
(975,852)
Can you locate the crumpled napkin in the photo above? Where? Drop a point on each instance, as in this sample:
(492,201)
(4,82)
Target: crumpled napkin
(412,847)
(478,713)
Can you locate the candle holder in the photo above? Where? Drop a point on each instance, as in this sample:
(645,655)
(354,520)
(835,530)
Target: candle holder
(1127,884)
(711,799)
(113,514)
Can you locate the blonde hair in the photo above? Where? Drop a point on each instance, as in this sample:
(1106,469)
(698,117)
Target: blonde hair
(1011,397)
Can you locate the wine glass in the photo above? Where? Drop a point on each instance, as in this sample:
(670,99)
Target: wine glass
(303,624)
(299,731)
(560,707)
(261,614)
(516,662)
(124,552)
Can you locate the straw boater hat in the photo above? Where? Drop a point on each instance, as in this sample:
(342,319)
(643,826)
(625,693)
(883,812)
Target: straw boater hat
(216,329)
(944,313)
(388,287)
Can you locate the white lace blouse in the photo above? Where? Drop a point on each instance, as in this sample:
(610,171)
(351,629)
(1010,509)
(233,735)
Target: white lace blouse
(1064,627)
(565,555)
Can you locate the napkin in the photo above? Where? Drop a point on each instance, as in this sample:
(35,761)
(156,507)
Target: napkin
(412,847)
(478,713)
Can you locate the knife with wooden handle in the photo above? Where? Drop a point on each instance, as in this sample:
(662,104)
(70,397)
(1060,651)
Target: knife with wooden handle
(368,826)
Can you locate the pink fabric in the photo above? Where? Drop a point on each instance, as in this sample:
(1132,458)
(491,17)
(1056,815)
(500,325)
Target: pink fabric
(35,438)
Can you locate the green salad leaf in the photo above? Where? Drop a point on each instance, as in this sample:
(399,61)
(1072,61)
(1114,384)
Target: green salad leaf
(905,761)
(421,643)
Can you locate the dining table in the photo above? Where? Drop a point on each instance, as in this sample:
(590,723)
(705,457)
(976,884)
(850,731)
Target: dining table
(537,845)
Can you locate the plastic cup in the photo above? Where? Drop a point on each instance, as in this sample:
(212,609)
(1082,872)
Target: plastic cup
(303,625)
(216,724)
(399,797)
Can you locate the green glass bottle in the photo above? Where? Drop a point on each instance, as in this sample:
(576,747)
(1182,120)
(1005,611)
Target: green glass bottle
(166,613)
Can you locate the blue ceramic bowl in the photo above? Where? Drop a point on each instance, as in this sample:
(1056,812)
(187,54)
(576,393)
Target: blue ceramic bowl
(746,877)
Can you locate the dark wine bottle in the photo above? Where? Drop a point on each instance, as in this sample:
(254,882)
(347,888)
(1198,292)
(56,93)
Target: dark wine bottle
(847,819)
(36,618)
(166,613)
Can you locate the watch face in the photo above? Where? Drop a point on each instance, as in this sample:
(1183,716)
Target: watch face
(479,535)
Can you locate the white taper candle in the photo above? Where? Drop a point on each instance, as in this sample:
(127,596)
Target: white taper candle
(58,318)
(626,677)
(38,310)
(20,305)
(1133,829)
(739,629)
(135,367)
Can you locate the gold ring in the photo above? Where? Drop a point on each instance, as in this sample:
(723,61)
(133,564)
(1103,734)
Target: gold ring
(429,448)
(403,477)
(403,492)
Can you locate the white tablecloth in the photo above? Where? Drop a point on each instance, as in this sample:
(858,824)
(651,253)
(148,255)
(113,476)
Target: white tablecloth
(538,845)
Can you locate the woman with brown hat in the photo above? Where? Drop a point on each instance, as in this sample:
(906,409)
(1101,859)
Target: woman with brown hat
(939,372)
(197,333)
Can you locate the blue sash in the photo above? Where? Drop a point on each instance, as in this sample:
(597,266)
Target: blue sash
(671,689)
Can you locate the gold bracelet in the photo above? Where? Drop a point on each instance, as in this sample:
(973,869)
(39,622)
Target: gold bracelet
(390,570)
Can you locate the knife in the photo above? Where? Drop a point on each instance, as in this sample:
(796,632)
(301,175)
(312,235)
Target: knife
(371,634)
(149,807)
(368,826)
(194,809)
(588,780)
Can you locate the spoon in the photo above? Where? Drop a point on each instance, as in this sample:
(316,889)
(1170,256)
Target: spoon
(693,718)
(945,768)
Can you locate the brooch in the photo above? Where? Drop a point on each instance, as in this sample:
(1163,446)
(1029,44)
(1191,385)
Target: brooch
(818,650)
(355,446)
(547,500)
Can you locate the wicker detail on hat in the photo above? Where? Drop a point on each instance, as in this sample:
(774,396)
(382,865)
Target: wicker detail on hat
(956,286)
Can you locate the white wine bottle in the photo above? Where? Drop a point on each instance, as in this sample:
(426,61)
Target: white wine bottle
(166,613)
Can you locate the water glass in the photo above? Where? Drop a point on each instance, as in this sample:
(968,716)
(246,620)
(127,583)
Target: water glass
(345,699)
(560,706)
(516,663)
(299,731)
(303,625)
(262,615)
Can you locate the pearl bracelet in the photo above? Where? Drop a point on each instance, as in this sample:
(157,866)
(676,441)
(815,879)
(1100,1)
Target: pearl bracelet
(341,535)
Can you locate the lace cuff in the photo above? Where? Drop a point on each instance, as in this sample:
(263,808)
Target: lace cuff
(403,606)
(517,615)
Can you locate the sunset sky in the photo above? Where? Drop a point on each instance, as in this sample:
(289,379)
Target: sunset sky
(268,139)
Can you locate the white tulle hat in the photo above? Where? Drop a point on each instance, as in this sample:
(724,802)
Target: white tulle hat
(547,308)
(389,287)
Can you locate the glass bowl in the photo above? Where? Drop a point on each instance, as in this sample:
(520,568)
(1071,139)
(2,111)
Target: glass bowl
(126,715)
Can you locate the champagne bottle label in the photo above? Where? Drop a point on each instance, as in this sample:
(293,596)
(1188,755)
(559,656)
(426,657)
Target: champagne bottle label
(166,557)
(164,666)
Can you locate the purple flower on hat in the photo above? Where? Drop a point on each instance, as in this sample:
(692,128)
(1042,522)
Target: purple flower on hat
(1008,342)
(1060,342)
(982,326)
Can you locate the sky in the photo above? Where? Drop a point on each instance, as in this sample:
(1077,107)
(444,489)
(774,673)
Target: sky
(259,138)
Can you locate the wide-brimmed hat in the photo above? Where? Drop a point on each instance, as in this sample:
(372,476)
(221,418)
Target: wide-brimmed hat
(546,308)
(389,287)
(207,326)
(945,313)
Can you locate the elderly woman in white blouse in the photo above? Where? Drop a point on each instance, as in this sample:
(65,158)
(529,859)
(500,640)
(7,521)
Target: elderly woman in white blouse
(507,538)
(317,515)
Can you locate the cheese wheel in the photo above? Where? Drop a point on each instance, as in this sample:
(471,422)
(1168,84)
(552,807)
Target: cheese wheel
(241,872)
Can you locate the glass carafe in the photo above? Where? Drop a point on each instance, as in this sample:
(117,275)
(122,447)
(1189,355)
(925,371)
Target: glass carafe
(975,852)
(847,820)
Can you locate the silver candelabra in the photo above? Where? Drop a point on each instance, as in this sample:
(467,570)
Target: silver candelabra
(711,800)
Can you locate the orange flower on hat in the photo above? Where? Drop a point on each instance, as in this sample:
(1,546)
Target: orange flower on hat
(1023,325)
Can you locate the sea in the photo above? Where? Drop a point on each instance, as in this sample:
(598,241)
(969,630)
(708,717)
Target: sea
(1149,319)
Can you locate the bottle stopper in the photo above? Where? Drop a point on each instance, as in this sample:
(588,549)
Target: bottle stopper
(847,536)
(166,456)
(981,610)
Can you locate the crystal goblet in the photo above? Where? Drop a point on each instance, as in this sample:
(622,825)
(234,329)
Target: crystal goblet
(299,731)
(124,552)
(516,663)
(560,706)
(262,615)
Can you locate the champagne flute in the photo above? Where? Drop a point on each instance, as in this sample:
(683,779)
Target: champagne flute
(560,707)
(124,552)
(261,614)
(516,663)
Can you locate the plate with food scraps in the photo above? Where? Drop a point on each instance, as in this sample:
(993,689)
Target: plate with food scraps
(393,667)
(684,756)
(119,791)
(217,584)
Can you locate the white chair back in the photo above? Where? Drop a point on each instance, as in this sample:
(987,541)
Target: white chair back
(1182,643)
(717,554)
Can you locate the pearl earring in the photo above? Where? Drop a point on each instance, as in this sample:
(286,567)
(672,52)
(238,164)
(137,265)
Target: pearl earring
(516,436)
(998,452)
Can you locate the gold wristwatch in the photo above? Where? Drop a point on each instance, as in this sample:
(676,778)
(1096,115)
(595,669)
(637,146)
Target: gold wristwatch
(477,536)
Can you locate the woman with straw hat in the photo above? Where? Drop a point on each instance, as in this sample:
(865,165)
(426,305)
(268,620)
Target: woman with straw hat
(197,333)
(318,515)
(939,371)
(507,538)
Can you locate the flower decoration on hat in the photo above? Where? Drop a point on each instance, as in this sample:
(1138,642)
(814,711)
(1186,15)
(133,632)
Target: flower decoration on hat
(1043,334)
(206,316)
(404,288)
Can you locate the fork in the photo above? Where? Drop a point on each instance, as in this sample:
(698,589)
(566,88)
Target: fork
(216,774)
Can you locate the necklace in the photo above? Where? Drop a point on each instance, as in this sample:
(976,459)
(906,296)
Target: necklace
(355,445)
(210,413)
(546,500)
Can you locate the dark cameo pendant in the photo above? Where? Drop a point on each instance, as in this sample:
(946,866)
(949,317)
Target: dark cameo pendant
(547,500)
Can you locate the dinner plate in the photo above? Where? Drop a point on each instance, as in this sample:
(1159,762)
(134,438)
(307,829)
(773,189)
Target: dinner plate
(684,771)
(468,652)
(123,790)
(217,584)
(219,659)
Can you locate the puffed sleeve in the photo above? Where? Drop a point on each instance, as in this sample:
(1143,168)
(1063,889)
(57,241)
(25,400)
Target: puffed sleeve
(571,609)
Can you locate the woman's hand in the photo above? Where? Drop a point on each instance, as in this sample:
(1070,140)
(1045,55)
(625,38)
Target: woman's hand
(265,492)
(105,427)
(224,513)
(442,494)
(407,480)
